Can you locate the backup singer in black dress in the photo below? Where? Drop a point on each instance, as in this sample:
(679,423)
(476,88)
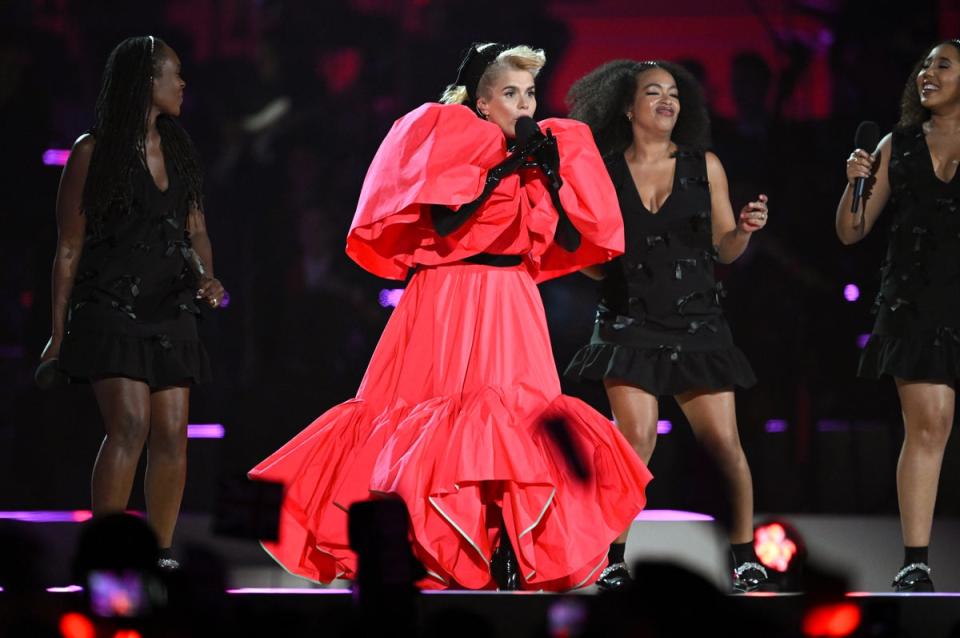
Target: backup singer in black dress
(660,328)
(916,337)
(132,258)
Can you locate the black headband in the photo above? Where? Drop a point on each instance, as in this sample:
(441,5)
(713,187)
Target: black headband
(474,65)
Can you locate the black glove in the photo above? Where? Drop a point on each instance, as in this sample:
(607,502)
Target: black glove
(446,220)
(546,158)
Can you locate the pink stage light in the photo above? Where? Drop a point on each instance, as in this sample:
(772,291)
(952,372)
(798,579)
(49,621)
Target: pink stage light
(244,591)
(833,425)
(55,156)
(43,516)
(672,516)
(663,427)
(205,431)
(775,425)
(851,292)
(390,297)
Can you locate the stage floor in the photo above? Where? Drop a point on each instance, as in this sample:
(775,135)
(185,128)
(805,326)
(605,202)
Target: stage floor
(865,550)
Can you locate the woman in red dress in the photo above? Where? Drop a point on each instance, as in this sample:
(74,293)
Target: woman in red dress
(449,414)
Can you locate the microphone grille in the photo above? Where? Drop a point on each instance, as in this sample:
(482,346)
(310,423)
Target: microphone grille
(867,137)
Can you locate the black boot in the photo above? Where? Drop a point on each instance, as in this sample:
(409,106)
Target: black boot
(913,578)
(503,565)
(615,576)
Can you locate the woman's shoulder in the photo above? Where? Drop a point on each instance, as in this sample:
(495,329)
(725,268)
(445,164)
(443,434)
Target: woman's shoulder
(84,144)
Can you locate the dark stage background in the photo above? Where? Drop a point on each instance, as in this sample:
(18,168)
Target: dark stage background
(788,82)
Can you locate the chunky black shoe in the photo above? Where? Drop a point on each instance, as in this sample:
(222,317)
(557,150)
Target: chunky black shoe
(615,576)
(750,577)
(913,578)
(504,567)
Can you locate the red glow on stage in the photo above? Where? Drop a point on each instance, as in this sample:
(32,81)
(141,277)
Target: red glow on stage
(128,633)
(840,619)
(74,625)
(773,547)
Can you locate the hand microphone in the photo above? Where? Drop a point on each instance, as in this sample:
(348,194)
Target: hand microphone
(527,130)
(867,138)
(48,375)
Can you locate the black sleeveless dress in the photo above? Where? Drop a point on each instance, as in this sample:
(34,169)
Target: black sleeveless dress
(917,331)
(132,311)
(659,323)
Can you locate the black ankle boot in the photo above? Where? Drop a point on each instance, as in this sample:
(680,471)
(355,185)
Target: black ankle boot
(915,578)
(615,576)
(503,565)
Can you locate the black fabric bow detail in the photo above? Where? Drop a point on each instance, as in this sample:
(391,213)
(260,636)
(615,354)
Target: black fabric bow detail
(174,244)
(124,308)
(900,303)
(653,240)
(719,292)
(189,307)
(700,221)
(680,264)
(688,154)
(946,333)
(696,326)
(947,204)
(87,275)
(163,341)
(673,350)
(919,232)
(697,180)
(126,283)
(684,300)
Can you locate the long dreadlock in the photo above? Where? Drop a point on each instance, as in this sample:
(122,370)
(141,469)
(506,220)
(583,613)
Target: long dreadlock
(120,130)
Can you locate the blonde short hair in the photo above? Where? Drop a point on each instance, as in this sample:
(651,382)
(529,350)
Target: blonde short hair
(518,58)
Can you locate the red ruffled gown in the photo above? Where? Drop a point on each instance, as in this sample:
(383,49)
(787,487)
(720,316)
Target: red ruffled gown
(449,414)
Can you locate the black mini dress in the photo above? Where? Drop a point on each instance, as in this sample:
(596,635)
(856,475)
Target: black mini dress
(916,335)
(132,311)
(660,325)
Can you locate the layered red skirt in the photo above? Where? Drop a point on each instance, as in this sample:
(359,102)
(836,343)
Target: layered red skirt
(449,418)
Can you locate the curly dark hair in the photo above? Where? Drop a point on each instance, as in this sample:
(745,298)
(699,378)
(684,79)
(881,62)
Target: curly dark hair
(912,113)
(602,97)
(120,130)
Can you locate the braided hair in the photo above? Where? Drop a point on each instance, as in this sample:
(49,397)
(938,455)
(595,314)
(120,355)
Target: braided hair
(602,97)
(912,113)
(120,130)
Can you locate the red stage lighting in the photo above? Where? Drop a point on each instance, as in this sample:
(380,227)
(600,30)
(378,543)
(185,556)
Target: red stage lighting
(832,620)
(74,625)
